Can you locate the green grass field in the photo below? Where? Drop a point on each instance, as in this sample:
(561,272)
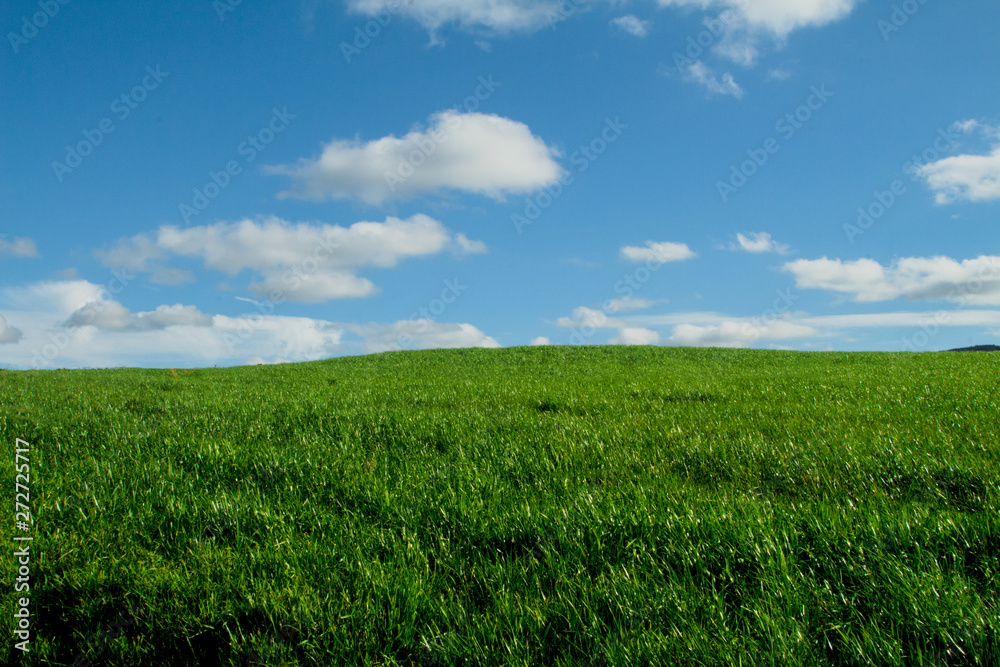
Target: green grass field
(529,506)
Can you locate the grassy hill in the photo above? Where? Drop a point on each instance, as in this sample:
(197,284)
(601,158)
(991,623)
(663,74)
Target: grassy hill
(566,506)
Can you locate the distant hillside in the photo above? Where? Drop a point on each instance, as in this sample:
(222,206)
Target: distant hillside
(978,348)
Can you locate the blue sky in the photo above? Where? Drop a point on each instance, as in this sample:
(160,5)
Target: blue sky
(197,184)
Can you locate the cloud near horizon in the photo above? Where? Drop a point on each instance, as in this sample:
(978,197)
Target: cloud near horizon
(69,324)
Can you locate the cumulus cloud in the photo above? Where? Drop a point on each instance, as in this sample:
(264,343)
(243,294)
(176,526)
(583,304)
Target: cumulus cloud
(632,25)
(75,324)
(308,263)
(467,247)
(777,16)
(19,247)
(590,318)
(658,252)
(113,316)
(971,281)
(709,329)
(700,73)
(953,318)
(9,334)
(471,152)
(541,340)
(974,178)
(743,26)
(738,333)
(636,336)
(493,16)
(421,334)
(759,242)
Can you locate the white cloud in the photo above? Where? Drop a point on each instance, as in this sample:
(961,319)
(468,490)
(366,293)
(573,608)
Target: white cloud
(68,274)
(658,252)
(467,247)
(704,329)
(738,333)
(589,317)
(113,316)
(470,152)
(743,25)
(700,73)
(319,287)
(775,18)
(700,329)
(9,334)
(541,340)
(58,332)
(636,336)
(632,25)
(974,281)
(308,263)
(779,74)
(494,16)
(760,242)
(421,334)
(974,178)
(627,303)
(967,125)
(132,254)
(19,247)
(954,318)
(778,17)
(59,297)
